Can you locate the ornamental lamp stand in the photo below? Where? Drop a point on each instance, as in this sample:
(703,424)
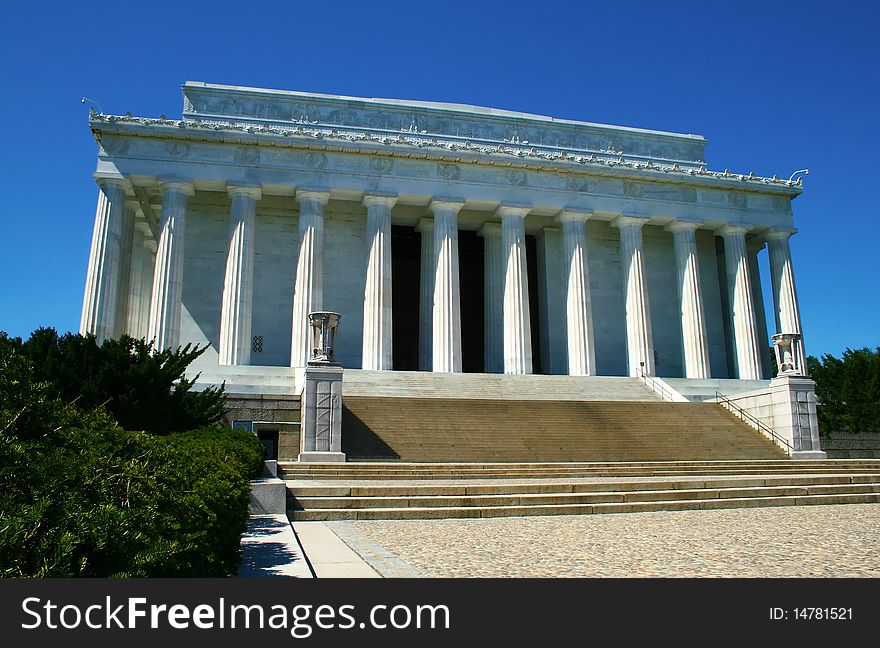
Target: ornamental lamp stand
(321,428)
(785,344)
(323,325)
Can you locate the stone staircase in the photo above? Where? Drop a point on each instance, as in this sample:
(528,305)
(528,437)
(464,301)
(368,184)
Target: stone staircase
(433,429)
(425,384)
(380,491)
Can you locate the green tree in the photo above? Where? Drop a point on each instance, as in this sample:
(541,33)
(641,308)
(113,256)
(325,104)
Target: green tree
(143,389)
(80,496)
(848,391)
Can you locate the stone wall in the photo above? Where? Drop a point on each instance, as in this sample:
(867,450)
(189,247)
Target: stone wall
(852,446)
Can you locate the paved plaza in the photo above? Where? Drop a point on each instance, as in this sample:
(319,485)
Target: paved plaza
(803,541)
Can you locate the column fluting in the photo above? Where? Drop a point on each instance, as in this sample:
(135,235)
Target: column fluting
(578,301)
(741,300)
(446,313)
(694,343)
(788,317)
(516,315)
(238,284)
(101,299)
(167,293)
(639,336)
(377,340)
(308,291)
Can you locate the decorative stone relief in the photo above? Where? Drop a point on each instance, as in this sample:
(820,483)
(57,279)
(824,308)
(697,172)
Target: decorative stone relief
(632,189)
(736,199)
(577,184)
(516,177)
(316,160)
(115,146)
(781,204)
(449,171)
(381,165)
(247,155)
(177,150)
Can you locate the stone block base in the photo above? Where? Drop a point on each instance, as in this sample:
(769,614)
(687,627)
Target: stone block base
(268,497)
(808,454)
(321,457)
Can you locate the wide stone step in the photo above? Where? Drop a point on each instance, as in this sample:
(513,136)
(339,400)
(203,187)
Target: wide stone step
(540,499)
(413,513)
(486,487)
(551,474)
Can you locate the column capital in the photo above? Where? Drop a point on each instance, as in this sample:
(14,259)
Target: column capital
(779,234)
(386,200)
(106,182)
(490,229)
(425,225)
(755,244)
(625,220)
(179,186)
(241,190)
(682,224)
(512,211)
(567,215)
(733,229)
(320,196)
(445,205)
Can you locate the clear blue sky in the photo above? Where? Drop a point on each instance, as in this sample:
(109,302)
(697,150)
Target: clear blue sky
(773,86)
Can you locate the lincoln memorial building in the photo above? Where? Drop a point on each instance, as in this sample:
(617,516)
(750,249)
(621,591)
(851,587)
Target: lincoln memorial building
(471,253)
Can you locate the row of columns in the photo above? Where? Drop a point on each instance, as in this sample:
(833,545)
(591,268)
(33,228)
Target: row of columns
(122,264)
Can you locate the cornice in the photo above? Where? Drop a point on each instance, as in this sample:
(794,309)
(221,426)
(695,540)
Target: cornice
(440,148)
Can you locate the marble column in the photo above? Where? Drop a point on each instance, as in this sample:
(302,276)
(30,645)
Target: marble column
(754,246)
(125,267)
(578,303)
(446,313)
(308,291)
(516,316)
(493,299)
(143,259)
(238,283)
(694,343)
(377,353)
(101,300)
(426,294)
(639,337)
(167,293)
(788,317)
(741,300)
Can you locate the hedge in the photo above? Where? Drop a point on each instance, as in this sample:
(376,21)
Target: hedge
(80,496)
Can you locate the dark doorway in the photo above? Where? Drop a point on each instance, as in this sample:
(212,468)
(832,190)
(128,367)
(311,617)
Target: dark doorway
(470,263)
(406,252)
(534,313)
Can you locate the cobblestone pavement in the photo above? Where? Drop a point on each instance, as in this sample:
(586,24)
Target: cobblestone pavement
(801,541)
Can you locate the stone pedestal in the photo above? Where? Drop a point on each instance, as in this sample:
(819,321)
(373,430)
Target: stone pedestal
(321,427)
(794,415)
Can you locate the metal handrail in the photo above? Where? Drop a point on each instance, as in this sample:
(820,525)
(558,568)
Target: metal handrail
(763,427)
(658,389)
